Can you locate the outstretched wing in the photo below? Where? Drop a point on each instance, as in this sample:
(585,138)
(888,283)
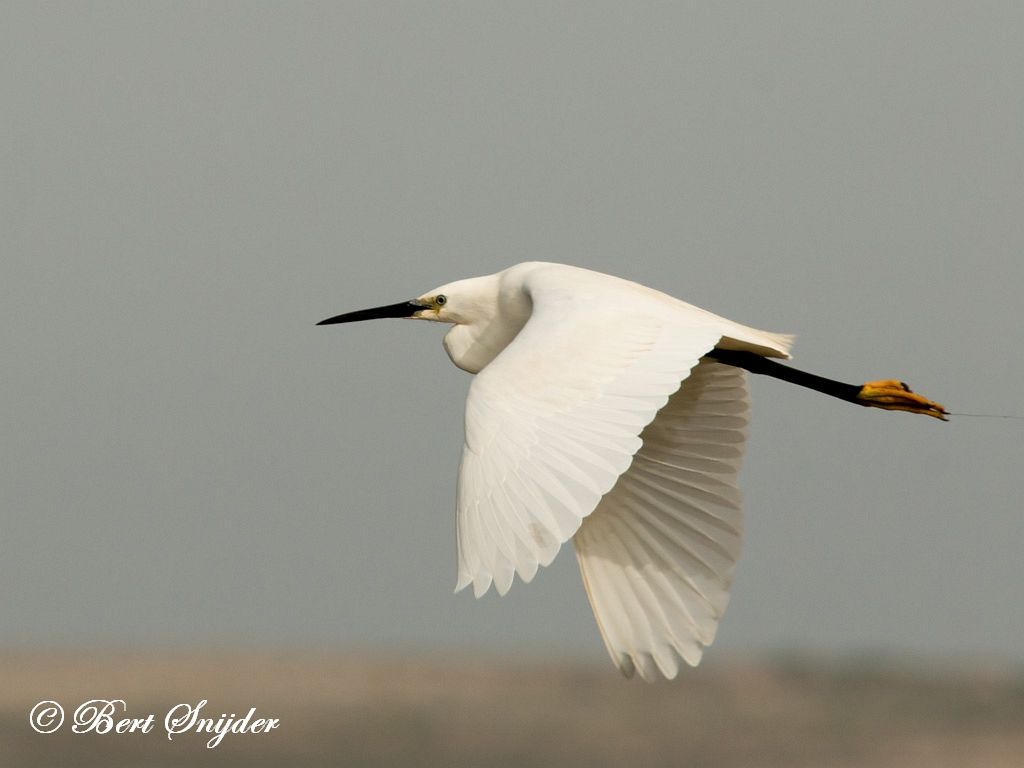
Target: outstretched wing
(556,417)
(657,555)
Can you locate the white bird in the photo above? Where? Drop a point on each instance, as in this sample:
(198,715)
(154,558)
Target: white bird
(614,415)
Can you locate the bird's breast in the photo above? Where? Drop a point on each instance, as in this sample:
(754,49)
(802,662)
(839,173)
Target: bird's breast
(469,349)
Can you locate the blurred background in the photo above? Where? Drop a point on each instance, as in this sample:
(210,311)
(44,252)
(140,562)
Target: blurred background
(205,496)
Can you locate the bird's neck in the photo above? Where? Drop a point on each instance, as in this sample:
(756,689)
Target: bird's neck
(502,314)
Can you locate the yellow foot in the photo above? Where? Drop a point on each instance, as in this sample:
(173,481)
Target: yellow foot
(893,395)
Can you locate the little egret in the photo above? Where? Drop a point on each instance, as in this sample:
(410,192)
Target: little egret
(614,415)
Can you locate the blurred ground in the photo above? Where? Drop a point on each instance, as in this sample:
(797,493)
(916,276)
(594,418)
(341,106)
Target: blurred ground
(355,712)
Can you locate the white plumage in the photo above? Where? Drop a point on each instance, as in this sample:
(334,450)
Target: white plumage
(657,554)
(577,428)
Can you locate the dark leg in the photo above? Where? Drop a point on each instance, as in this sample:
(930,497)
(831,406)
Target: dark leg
(890,394)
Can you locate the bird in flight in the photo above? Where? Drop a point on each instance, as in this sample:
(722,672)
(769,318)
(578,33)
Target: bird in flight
(614,415)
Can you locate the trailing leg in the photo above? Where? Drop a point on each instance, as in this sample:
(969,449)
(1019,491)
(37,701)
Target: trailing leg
(889,394)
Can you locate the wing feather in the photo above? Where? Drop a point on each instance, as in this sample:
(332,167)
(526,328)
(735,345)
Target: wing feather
(579,429)
(555,419)
(660,550)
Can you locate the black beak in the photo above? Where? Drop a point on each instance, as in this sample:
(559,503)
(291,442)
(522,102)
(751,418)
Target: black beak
(402,309)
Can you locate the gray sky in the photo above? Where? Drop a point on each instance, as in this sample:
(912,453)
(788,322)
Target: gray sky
(188,188)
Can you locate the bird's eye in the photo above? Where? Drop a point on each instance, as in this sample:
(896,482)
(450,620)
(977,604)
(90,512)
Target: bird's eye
(441,300)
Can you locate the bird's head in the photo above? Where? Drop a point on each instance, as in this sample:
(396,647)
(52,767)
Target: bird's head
(484,315)
(463,302)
